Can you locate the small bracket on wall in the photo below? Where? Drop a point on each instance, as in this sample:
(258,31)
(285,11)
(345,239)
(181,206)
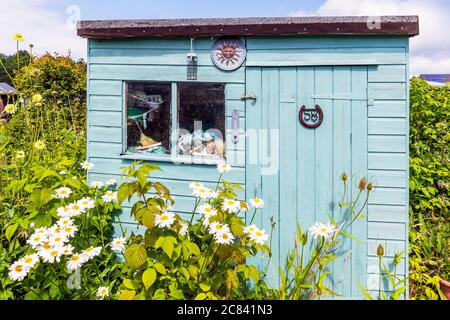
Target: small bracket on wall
(235,126)
(248,97)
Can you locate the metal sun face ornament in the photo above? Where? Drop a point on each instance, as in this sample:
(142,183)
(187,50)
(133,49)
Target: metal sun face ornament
(228,53)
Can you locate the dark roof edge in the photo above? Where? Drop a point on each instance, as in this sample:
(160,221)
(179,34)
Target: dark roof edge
(352,25)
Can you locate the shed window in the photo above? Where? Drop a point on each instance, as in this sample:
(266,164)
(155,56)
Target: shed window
(176,120)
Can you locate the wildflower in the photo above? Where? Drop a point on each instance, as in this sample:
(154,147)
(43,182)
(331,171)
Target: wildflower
(184,228)
(259,236)
(37,99)
(18,271)
(69,231)
(251,229)
(51,255)
(165,219)
(206,222)
(39,145)
(207,211)
(118,244)
(86,203)
(111,182)
(109,196)
(62,172)
(257,203)
(244,206)
(75,209)
(322,230)
(224,238)
(195,185)
(57,240)
(362,184)
(380,251)
(63,212)
(203,193)
(87,165)
(54,231)
(75,262)
(11,108)
(63,222)
(370,187)
(92,252)
(96,184)
(36,240)
(63,192)
(29,261)
(103,292)
(217,227)
(67,250)
(223,167)
(230,205)
(20,154)
(344,177)
(18,37)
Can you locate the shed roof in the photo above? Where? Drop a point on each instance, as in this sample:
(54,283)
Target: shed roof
(6,89)
(351,25)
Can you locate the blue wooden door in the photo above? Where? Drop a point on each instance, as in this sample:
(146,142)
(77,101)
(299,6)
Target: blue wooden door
(297,170)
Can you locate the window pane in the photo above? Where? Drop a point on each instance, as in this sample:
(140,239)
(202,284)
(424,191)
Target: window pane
(148,117)
(201,119)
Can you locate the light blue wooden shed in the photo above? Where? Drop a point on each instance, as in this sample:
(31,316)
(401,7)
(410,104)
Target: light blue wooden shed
(258,73)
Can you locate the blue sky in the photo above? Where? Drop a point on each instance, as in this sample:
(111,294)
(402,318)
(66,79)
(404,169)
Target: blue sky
(50,24)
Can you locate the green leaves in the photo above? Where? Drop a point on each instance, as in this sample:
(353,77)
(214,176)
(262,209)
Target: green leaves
(136,255)
(10,230)
(149,277)
(167,244)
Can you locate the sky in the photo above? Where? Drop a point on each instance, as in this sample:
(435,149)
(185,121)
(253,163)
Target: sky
(50,24)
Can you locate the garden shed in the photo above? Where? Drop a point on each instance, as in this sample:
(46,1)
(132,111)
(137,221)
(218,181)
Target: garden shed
(291,103)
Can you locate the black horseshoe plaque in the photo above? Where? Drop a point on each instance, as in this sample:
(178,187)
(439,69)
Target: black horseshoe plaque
(311,118)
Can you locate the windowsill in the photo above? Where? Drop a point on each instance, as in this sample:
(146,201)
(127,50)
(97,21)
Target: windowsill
(175,160)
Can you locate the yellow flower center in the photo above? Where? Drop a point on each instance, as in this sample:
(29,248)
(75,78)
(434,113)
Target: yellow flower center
(208,210)
(230,202)
(323,229)
(54,253)
(225,236)
(89,249)
(76,207)
(219,227)
(164,218)
(46,245)
(18,268)
(68,229)
(37,239)
(75,258)
(28,260)
(259,234)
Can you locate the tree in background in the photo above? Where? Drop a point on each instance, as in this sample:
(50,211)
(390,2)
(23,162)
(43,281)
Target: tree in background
(10,62)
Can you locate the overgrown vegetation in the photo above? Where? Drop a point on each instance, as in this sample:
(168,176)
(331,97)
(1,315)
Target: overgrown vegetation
(429,188)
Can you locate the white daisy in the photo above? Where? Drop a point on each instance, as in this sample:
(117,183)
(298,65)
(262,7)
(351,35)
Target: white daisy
(206,222)
(257,203)
(41,231)
(207,211)
(68,250)
(231,205)
(69,231)
(96,184)
(18,271)
(55,231)
(92,252)
(57,241)
(118,244)
(251,229)
(322,230)
(86,203)
(63,222)
(109,196)
(103,292)
(51,255)
(223,167)
(259,236)
(203,193)
(63,212)
(76,209)
(184,228)
(217,227)
(165,219)
(75,262)
(63,192)
(111,182)
(29,261)
(195,185)
(36,240)
(87,165)
(224,238)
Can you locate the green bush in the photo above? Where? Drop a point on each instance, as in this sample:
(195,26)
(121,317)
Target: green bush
(429,188)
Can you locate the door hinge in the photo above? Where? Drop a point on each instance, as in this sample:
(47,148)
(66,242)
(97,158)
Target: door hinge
(248,97)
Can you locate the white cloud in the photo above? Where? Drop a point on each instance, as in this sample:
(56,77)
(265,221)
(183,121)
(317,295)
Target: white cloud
(430,51)
(46,29)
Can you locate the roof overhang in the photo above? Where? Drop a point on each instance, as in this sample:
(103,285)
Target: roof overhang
(284,26)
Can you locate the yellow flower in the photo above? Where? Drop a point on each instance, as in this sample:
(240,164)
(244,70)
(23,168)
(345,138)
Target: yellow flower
(39,145)
(20,154)
(10,108)
(18,37)
(37,99)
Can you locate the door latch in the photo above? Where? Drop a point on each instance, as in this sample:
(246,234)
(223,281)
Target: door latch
(248,97)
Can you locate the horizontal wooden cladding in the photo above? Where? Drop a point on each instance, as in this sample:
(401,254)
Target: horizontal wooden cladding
(387,161)
(329,57)
(391,196)
(105,134)
(387,213)
(388,179)
(373,266)
(388,91)
(387,126)
(132,72)
(387,109)
(386,231)
(152,44)
(387,73)
(391,247)
(169,170)
(105,87)
(387,143)
(373,283)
